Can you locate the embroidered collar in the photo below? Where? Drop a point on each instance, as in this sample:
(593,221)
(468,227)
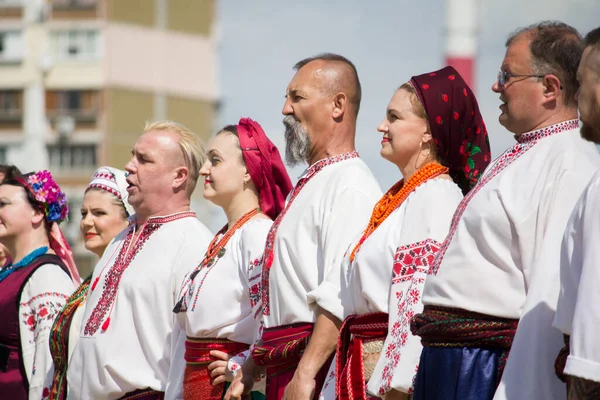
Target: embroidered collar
(319,165)
(164,219)
(548,131)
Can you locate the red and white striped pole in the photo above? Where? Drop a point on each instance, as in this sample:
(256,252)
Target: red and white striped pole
(461,39)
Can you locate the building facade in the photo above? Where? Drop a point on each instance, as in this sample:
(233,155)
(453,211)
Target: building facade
(79,78)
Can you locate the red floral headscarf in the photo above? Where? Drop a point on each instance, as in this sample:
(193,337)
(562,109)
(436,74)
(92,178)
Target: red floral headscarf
(457,126)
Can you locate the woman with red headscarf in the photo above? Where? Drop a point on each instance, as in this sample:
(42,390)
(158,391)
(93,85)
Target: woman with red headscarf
(35,285)
(245,176)
(433,132)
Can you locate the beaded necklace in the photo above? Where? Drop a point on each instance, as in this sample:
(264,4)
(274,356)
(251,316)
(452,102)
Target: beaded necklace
(6,271)
(394,197)
(216,250)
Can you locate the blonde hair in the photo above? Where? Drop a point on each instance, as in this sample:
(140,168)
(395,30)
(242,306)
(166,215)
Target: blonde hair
(193,151)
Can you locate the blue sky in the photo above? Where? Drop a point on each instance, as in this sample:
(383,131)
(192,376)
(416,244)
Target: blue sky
(389,41)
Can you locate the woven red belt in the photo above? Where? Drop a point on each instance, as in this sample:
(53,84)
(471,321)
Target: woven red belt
(356,330)
(196,379)
(144,394)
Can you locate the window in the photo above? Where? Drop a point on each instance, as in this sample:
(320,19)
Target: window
(75,44)
(72,156)
(11,46)
(10,104)
(3,155)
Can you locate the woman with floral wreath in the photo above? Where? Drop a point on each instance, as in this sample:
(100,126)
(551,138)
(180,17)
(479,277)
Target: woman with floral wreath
(434,133)
(36,284)
(245,176)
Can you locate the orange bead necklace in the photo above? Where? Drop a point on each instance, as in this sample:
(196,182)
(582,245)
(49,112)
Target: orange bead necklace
(395,196)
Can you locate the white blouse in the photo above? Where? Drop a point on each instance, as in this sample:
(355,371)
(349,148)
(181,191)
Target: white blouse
(221,299)
(43,297)
(501,255)
(388,275)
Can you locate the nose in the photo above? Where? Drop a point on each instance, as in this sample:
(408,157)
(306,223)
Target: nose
(287,107)
(496,87)
(130,167)
(205,169)
(86,221)
(383,126)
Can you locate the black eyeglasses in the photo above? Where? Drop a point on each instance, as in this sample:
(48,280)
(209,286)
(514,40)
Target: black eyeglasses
(503,76)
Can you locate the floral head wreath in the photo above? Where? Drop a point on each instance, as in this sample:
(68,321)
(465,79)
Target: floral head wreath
(48,194)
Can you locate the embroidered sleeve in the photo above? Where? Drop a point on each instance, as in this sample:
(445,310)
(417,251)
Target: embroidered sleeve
(43,297)
(399,359)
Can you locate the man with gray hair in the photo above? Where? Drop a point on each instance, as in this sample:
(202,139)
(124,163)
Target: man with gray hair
(499,265)
(577,313)
(129,334)
(328,207)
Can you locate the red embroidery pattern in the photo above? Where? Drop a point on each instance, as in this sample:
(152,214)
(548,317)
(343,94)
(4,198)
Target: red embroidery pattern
(255,285)
(412,258)
(124,259)
(39,312)
(268,255)
(525,142)
(411,264)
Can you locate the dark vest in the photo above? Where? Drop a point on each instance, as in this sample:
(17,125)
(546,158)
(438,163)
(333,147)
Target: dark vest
(13,379)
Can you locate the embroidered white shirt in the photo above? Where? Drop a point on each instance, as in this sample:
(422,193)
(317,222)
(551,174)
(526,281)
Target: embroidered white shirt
(330,210)
(501,255)
(577,311)
(139,346)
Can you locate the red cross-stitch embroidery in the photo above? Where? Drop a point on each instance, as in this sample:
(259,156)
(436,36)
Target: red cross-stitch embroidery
(411,264)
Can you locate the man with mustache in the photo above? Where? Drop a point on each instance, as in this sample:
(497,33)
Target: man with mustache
(327,208)
(127,346)
(499,265)
(577,312)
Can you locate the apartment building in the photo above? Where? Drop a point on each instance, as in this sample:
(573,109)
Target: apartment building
(78,79)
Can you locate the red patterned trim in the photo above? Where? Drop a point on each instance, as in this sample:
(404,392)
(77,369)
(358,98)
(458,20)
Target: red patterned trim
(411,264)
(107,189)
(419,256)
(526,142)
(268,255)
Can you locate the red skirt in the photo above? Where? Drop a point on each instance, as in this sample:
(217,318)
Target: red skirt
(281,350)
(196,380)
(357,329)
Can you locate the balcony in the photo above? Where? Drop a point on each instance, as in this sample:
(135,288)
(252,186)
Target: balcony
(74,9)
(80,105)
(11,9)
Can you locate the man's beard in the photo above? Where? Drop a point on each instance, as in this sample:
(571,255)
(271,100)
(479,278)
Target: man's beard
(297,143)
(591,131)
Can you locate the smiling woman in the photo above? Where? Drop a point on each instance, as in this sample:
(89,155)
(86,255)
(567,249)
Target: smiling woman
(104,214)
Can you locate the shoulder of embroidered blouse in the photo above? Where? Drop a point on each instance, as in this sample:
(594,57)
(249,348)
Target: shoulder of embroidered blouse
(254,233)
(49,280)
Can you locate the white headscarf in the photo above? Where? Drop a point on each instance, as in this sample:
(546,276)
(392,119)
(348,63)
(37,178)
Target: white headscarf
(113,181)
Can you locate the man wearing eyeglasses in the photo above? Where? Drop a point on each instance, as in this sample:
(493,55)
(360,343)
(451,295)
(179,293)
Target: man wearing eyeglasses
(577,313)
(499,266)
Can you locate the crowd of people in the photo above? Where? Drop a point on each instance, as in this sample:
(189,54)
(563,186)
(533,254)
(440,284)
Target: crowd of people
(468,279)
